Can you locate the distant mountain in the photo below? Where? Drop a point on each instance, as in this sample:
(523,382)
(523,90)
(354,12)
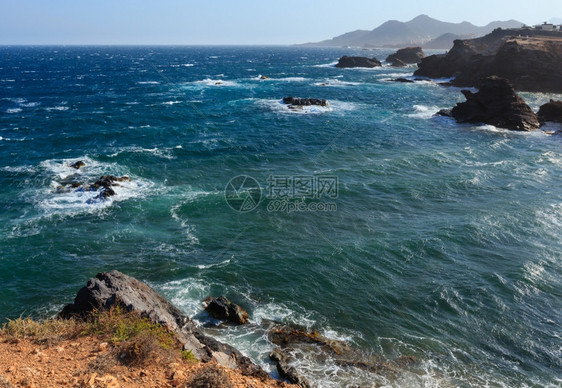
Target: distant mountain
(418,31)
(444,41)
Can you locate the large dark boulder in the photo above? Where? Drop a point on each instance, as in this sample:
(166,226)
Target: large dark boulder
(110,289)
(224,309)
(350,62)
(551,111)
(496,103)
(409,55)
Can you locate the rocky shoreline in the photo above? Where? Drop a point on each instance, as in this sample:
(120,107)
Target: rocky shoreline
(109,290)
(529,59)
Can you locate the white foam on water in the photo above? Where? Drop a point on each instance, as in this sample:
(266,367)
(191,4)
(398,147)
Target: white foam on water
(331,64)
(424,111)
(148,83)
(188,198)
(57,199)
(172,102)
(13,110)
(165,152)
(57,108)
(210,82)
(279,107)
(337,83)
(184,65)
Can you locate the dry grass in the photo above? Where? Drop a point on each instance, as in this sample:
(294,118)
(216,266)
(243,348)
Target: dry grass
(49,331)
(135,340)
(210,376)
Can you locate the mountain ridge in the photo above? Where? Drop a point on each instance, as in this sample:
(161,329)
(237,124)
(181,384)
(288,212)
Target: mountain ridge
(419,31)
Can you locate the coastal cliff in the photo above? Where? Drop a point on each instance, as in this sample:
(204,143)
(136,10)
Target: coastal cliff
(529,59)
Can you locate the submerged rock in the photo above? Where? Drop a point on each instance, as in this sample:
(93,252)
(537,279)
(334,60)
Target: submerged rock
(294,101)
(496,103)
(222,308)
(111,289)
(551,111)
(404,80)
(78,164)
(407,55)
(350,62)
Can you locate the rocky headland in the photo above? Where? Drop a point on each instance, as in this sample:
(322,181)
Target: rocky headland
(529,59)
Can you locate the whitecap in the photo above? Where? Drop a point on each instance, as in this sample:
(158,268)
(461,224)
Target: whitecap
(58,199)
(331,64)
(57,108)
(148,83)
(424,111)
(13,110)
(172,102)
(336,82)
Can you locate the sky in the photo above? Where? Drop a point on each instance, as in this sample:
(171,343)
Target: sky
(191,22)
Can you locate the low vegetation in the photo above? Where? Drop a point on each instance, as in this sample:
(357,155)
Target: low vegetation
(134,339)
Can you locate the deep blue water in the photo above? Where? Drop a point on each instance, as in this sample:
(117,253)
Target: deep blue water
(435,239)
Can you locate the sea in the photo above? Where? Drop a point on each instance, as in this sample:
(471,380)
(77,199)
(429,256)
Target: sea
(369,220)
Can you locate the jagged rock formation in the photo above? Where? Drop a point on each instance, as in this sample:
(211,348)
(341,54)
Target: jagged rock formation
(224,309)
(408,55)
(551,111)
(109,289)
(496,103)
(346,62)
(529,59)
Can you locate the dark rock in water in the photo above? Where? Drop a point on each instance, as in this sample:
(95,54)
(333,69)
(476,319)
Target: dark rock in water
(264,77)
(496,103)
(529,59)
(551,111)
(397,63)
(110,289)
(282,359)
(222,308)
(404,80)
(305,101)
(285,336)
(444,112)
(350,62)
(78,164)
(407,55)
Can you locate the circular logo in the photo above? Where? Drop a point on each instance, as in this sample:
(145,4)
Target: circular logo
(243,193)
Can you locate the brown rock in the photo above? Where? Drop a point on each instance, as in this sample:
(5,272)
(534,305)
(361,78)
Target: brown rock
(496,103)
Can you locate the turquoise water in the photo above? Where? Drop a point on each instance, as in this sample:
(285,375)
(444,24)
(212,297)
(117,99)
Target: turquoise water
(444,242)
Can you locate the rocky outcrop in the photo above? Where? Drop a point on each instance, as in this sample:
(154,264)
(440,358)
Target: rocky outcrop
(397,63)
(78,164)
(551,111)
(294,101)
(110,289)
(282,358)
(530,61)
(408,55)
(496,103)
(346,62)
(224,309)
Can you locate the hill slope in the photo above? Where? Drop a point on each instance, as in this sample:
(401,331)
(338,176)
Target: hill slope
(417,31)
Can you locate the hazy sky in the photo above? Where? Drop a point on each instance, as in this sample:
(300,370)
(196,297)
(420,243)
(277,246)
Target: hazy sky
(236,21)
